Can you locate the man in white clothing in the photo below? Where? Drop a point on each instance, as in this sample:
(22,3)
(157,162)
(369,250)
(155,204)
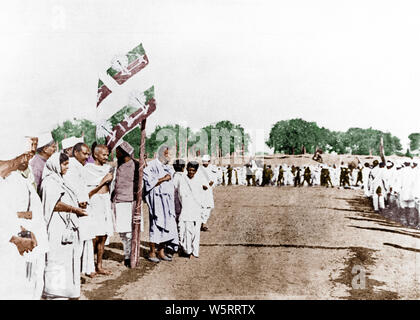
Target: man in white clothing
(75,177)
(208,173)
(14,245)
(99,176)
(190,190)
(379,188)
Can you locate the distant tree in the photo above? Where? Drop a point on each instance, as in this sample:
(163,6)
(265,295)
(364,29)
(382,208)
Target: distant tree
(227,137)
(289,136)
(75,128)
(171,135)
(362,141)
(414,141)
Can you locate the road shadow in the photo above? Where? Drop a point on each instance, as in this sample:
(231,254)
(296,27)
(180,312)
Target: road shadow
(281,245)
(405,233)
(112,255)
(401,247)
(360,286)
(109,288)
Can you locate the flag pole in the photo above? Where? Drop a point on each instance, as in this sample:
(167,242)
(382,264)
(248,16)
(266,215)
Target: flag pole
(135,240)
(381,149)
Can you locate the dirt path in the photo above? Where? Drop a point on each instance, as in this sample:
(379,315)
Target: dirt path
(278,243)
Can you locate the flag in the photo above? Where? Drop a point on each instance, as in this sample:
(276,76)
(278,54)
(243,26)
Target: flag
(103,92)
(125,66)
(140,106)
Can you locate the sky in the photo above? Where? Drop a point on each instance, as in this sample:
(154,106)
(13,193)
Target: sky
(341,64)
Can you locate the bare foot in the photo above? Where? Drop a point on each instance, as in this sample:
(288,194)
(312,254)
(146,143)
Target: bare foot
(91,275)
(103,271)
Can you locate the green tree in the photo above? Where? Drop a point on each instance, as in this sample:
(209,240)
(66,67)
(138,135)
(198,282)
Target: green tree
(171,135)
(414,141)
(226,137)
(75,128)
(362,141)
(288,136)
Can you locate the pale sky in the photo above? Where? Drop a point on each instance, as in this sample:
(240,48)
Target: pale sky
(341,64)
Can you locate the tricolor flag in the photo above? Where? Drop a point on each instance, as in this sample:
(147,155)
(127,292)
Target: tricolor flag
(124,67)
(140,106)
(103,92)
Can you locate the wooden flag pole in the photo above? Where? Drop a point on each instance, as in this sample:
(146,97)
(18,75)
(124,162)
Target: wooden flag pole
(382,150)
(135,240)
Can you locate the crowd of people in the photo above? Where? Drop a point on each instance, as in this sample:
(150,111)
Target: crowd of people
(60,208)
(393,187)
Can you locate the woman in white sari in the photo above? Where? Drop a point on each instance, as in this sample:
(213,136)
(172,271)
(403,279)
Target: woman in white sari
(61,212)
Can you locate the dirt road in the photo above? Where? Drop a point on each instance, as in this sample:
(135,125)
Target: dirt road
(278,243)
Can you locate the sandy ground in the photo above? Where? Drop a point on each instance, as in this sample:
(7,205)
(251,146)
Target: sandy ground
(278,243)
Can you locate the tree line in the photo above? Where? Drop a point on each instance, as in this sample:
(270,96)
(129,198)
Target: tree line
(293,136)
(219,139)
(297,135)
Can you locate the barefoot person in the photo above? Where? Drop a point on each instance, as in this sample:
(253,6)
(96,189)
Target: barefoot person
(159,189)
(190,195)
(98,177)
(61,212)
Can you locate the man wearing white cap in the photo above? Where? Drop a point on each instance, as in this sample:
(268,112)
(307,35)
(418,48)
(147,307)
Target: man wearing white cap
(208,173)
(69,143)
(75,177)
(13,245)
(27,203)
(46,148)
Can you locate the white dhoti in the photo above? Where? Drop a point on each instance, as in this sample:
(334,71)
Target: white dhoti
(123,224)
(88,257)
(206,214)
(13,284)
(123,216)
(101,215)
(35,266)
(87,234)
(378,202)
(189,236)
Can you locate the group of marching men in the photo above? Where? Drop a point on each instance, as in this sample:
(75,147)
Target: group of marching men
(60,208)
(393,187)
(253,174)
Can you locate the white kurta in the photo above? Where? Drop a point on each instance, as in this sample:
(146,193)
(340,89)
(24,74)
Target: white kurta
(25,198)
(13,285)
(207,174)
(406,191)
(75,177)
(190,217)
